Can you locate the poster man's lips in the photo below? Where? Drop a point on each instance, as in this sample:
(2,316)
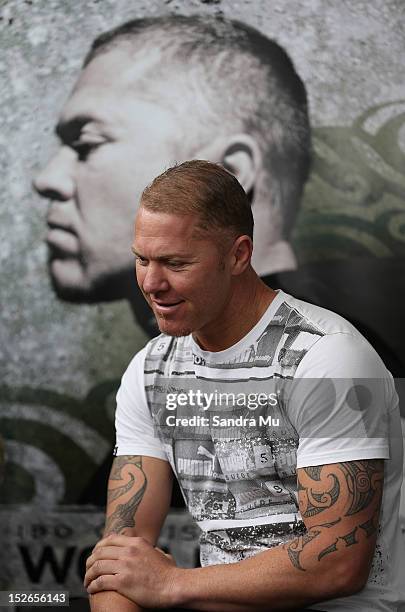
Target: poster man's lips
(63,240)
(55,224)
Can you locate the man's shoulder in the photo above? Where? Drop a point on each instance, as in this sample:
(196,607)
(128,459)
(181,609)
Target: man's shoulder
(295,328)
(158,346)
(304,315)
(332,346)
(158,351)
(164,348)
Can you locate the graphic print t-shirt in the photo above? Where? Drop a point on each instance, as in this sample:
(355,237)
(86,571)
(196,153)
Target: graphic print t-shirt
(302,388)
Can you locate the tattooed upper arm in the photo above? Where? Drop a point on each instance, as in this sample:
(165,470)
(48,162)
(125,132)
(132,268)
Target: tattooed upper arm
(126,488)
(340,490)
(340,506)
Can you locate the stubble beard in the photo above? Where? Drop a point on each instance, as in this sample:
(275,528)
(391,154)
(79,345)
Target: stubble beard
(179,333)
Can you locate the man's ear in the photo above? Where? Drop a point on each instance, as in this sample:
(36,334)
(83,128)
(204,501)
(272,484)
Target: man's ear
(243,158)
(241,254)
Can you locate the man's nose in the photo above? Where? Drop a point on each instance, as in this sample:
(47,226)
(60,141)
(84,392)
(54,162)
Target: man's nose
(56,181)
(154,279)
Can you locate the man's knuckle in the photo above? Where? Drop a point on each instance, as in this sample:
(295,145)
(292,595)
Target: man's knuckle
(122,579)
(127,564)
(141,542)
(100,582)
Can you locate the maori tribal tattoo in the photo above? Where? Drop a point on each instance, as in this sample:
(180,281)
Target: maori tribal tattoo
(347,497)
(317,502)
(321,487)
(362,479)
(296,547)
(126,487)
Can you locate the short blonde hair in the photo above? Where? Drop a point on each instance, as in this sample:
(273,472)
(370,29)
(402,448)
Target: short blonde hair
(204,189)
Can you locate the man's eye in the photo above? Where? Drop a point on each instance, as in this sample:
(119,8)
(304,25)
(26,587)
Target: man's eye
(84,149)
(176,265)
(141,262)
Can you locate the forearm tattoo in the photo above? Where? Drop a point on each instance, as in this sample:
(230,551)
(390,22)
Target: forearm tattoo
(347,497)
(126,487)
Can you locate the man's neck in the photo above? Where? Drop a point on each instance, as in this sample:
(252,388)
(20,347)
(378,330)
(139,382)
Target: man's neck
(247,304)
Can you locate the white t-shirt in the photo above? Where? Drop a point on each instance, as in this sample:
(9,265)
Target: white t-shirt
(302,388)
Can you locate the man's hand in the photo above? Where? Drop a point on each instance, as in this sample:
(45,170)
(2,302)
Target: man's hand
(132,566)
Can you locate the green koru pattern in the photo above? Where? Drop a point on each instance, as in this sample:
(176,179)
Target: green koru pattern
(53,443)
(354,202)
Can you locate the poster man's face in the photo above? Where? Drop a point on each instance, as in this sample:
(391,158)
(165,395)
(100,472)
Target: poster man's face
(113,143)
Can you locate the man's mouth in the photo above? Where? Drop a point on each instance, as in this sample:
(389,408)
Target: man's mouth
(166,307)
(62,241)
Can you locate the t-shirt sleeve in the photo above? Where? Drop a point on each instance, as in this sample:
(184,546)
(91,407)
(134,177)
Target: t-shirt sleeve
(340,402)
(135,434)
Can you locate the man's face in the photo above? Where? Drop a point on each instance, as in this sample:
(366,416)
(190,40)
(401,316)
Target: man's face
(183,274)
(113,143)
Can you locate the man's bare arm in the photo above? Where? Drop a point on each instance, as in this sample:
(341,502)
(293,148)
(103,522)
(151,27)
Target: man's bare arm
(126,488)
(138,498)
(340,505)
(341,501)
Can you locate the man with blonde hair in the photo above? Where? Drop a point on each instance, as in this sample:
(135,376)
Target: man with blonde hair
(278,419)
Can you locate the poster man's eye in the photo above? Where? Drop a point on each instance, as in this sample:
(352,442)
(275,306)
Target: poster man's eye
(84,149)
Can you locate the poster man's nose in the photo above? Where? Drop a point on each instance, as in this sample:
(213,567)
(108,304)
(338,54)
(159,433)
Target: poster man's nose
(56,180)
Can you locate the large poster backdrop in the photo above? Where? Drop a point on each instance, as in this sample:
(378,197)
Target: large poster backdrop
(61,361)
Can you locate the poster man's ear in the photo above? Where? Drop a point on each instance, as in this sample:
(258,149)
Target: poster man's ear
(242,157)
